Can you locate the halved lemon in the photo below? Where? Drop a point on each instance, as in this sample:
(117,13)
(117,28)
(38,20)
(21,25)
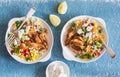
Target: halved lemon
(54,19)
(62,8)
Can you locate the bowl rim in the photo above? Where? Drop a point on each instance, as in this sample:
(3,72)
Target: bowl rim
(54,62)
(48,55)
(71,57)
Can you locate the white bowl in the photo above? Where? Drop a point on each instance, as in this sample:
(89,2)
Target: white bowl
(59,63)
(67,53)
(49,38)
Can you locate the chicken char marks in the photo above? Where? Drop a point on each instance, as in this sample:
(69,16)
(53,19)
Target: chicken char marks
(73,41)
(39,40)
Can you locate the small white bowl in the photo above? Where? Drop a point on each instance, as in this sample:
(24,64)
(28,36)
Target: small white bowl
(67,53)
(59,63)
(49,38)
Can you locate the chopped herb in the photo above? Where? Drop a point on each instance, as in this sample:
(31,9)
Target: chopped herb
(98,44)
(23,27)
(81,56)
(23,38)
(73,26)
(27,58)
(8,34)
(83,29)
(18,23)
(90,56)
(27,44)
(16,49)
(87,40)
(100,31)
(94,42)
(41,30)
(77,55)
(21,22)
(93,48)
(81,35)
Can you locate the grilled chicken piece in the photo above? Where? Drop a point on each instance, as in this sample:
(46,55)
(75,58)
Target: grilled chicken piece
(37,46)
(32,36)
(71,33)
(43,38)
(76,45)
(77,42)
(39,41)
(75,49)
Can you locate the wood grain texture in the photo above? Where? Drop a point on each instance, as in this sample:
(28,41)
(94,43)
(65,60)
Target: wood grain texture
(109,10)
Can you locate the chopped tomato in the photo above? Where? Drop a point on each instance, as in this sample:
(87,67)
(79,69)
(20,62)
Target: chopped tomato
(97,53)
(25,23)
(23,46)
(25,52)
(90,24)
(12,51)
(90,44)
(27,41)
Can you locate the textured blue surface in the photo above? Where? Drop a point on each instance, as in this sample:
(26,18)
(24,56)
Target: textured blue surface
(104,67)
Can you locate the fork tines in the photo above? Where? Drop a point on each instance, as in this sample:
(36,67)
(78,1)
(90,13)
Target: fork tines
(11,39)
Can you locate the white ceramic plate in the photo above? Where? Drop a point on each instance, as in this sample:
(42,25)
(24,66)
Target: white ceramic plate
(67,53)
(59,63)
(49,38)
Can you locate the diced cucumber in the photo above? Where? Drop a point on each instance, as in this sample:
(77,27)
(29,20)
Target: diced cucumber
(23,38)
(98,44)
(17,49)
(73,26)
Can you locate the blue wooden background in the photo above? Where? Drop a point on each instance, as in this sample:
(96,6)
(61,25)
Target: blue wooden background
(109,10)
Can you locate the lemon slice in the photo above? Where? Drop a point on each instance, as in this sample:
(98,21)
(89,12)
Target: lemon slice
(62,8)
(55,20)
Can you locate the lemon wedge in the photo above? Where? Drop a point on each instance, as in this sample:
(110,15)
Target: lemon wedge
(62,8)
(54,19)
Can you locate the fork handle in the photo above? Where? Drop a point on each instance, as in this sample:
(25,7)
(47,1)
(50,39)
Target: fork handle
(111,52)
(29,14)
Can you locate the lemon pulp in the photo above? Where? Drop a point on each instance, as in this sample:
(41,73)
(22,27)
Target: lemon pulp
(62,8)
(54,19)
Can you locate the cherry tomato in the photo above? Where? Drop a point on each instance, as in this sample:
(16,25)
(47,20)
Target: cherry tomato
(27,41)
(90,24)
(25,23)
(90,44)
(12,51)
(25,52)
(22,46)
(97,53)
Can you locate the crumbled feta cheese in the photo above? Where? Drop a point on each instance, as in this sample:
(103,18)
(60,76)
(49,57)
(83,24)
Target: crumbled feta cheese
(27,38)
(15,42)
(62,75)
(89,28)
(58,71)
(61,68)
(80,31)
(95,47)
(20,33)
(84,25)
(88,35)
(27,29)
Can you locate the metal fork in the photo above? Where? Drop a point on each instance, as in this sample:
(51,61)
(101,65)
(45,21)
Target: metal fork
(11,37)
